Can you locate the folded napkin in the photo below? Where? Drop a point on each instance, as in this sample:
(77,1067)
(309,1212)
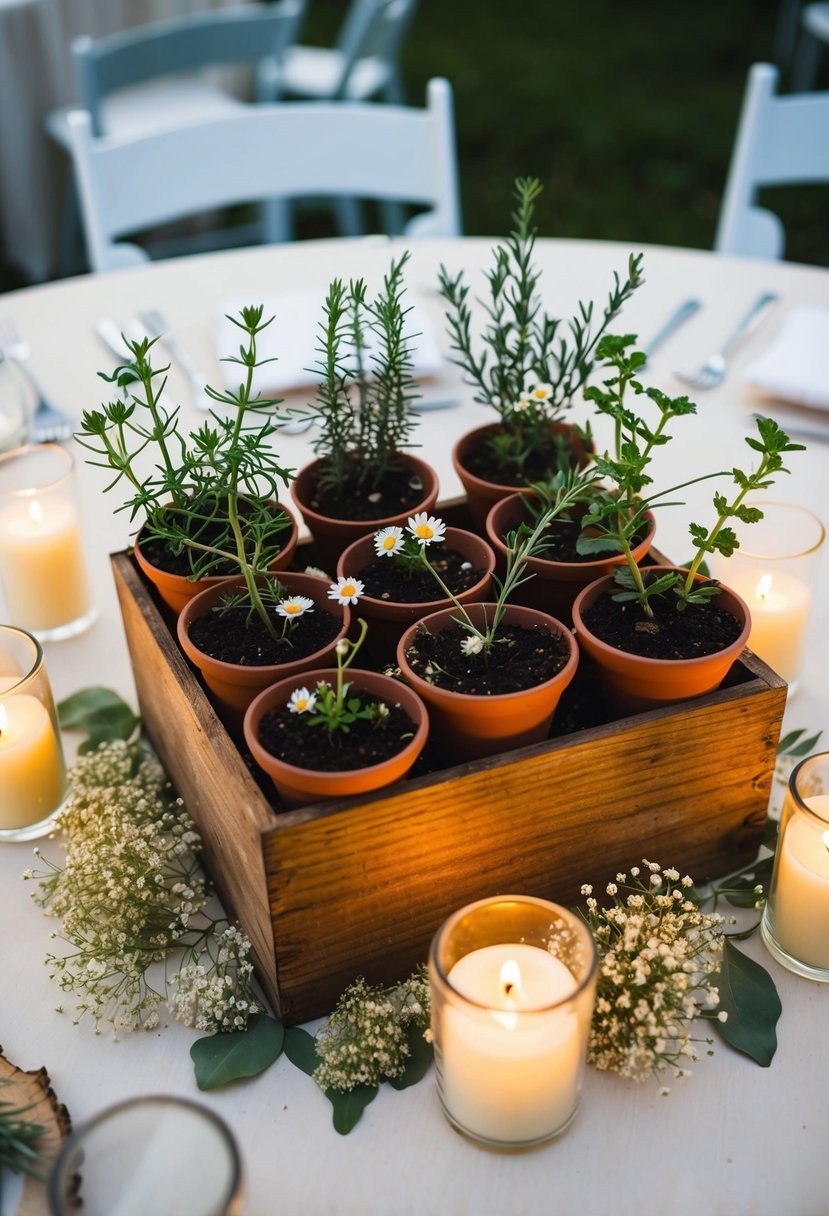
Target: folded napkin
(795,366)
(294,336)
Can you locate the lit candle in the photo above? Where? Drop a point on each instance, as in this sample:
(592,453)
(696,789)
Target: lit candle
(32,774)
(41,562)
(801,891)
(779,605)
(510,1062)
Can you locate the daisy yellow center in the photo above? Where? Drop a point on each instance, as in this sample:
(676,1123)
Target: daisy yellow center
(389,542)
(289,608)
(301,703)
(348,589)
(540,393)
(424,532)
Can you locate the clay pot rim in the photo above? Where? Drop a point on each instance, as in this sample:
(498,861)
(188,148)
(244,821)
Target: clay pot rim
(551,562)
(540,618)
(209,596)
(478,432)
(593,590)
(426,605)
(274,696)
(429,495)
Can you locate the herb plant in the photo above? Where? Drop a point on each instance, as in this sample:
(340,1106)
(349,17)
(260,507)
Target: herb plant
(617,513)
(528,370)
(18,1138)
(364,395)
(209,494)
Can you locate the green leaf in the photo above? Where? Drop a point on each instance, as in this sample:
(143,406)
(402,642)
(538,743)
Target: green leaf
(100,713)
(749,997)
(789,745)
(348,1104)
(220,1058)
(420,1058)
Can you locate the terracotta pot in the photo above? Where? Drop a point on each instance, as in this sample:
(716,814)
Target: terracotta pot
(481,494)
(468,726)
(235,685)
(298,786)
(555,584)
(176,590)
(387,619)
(634,683)
(331,535)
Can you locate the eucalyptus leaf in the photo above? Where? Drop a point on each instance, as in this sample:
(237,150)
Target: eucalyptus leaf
(749,997)
(221,1058)
(348,1104)
(100,713)
(301,1050)
(741,891)
(420,1058)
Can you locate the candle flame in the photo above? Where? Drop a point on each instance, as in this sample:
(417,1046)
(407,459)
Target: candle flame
(35,512)
(763,587)
(510,977)
(4,719)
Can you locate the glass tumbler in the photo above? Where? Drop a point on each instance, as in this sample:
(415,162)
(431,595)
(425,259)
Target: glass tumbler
(513,983)
(32,768)
(795,924)
(156,1155)
(42,567)
(774,571)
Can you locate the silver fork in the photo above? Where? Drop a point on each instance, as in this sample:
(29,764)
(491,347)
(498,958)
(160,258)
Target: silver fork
(712,371)
(48,424)
(159,327)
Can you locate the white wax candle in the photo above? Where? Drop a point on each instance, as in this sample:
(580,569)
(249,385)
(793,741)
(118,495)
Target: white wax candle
(510,1065)
(779,605)
(32,774)
(801,898)
(41,563)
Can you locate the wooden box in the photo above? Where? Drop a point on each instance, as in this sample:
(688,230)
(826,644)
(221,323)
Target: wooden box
(359,887)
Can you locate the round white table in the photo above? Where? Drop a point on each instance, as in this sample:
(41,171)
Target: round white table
(704,1148)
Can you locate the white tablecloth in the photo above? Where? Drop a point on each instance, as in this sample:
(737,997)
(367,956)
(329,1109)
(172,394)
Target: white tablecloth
(36,76)
(733,1139)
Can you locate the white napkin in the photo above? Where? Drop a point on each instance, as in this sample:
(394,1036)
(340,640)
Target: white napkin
(292,338)
(795,366)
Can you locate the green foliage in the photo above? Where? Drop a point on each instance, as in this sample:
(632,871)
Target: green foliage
(209,494)
(332,707)
(749,997)
(793,744)
(348,1104)
(529,367)
(222,1058)
(101,714)
(366,387)
(18,1139)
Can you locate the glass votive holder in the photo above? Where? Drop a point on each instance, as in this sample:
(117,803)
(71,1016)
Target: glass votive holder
(513,984)
(14,412)
(774,571)
(161,1155)
(32,767)
(42,567)
(795,925)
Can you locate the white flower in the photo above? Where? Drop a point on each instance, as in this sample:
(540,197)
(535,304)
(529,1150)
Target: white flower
(388,541)
(346,590)
(426,528)
(537,390)
(295,605)
(302,701)
(342,648)
(472,645)
(523,403)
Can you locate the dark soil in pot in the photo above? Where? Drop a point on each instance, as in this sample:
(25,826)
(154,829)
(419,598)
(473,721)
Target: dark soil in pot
(234,636)
(520,659)
(481,461)
(697,630)
(399,490)
(560,540)
(155,550)
(385,579)
(290,738)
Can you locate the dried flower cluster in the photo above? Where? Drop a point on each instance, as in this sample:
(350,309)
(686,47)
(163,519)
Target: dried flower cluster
(131,895)
(658,954)
(366,1039)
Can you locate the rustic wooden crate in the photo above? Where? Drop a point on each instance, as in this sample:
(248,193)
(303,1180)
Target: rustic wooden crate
(359,887)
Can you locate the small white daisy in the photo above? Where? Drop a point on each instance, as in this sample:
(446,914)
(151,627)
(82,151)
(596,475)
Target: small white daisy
(537,390)
(388,541)
(295,605)
(472,645)
(522,404)
(346,590)
(302,701)
(426,528)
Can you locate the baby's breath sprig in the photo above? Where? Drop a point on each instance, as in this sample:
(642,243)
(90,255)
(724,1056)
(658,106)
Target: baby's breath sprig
(659,954)
(367,1038)
(131,897)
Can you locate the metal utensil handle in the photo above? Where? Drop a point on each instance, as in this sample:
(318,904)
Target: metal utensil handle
(751,320)
(684,311)
(29,373)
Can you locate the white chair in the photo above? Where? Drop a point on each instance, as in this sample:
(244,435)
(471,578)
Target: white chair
(282,150)
(154,76)
(780,141)
(814,33)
